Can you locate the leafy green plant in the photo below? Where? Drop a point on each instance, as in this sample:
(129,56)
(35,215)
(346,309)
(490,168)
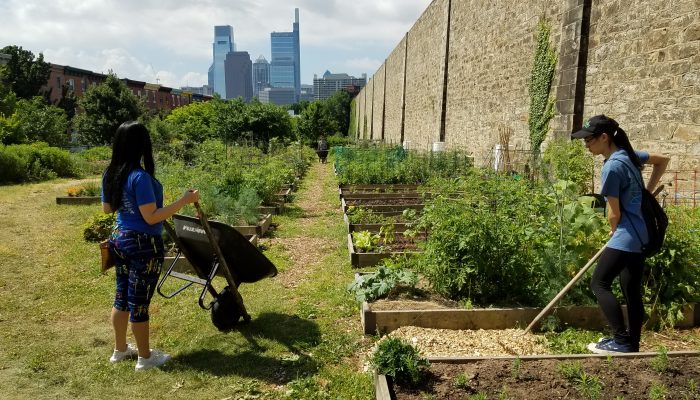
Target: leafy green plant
(397,358)
(541,78)
(660,363)
(569,160)
(589,386)
(570,341)
(369,287)
(461,381)
(364,215)
(365,241)
(674,274)
(99,227)
(658,391)
(516,368)
(570,370)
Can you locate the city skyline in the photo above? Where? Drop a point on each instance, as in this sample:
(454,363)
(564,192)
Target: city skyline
(175,47)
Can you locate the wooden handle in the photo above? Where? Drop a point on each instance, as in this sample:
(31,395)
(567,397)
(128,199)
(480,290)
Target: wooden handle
(563,291)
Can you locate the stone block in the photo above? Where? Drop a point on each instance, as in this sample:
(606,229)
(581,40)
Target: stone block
(687,133)
(691,33)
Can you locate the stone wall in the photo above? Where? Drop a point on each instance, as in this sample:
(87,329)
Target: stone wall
(378,98)
(393,115)
(644,71)
(637,61)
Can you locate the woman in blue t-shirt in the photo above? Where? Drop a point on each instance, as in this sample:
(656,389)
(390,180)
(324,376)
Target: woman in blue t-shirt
(130,188)
(620,184)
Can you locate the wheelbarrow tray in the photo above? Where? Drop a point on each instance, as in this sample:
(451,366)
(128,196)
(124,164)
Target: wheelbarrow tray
(244,260)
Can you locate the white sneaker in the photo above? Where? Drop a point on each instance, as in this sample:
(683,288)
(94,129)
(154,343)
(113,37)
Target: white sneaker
(130,352)
(156,359)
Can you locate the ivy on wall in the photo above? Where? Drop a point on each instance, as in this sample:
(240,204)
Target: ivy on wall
(352,126)
(541,78)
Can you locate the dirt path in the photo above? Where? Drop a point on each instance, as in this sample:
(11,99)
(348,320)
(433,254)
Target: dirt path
(307,244)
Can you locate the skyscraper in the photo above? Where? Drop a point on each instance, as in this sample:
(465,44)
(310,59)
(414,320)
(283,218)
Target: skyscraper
(261,75)
(239,75)
(223,44)
(285,71)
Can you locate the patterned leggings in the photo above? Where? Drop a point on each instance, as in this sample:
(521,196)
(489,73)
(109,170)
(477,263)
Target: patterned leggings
(138,261)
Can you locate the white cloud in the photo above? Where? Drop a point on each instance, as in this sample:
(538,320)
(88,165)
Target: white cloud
(145,39)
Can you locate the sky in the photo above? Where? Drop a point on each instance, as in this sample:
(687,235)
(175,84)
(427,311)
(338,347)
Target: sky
(170,41)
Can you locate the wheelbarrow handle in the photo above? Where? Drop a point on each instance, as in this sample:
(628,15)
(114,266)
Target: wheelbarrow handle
(222,261)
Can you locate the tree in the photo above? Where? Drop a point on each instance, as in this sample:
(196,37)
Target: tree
(338,106)
(267,121)
(299,107)
(25,75)
(103,108)
(7,96)
(314,122)
(68,101)
(193,122)
(36,121)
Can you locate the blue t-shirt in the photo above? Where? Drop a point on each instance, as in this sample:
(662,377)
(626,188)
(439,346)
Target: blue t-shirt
(140,188)
(621,179)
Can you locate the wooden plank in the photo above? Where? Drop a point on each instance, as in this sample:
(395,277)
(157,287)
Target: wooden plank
(644,354)
(585,317)
(78,200)
(381,388)
(385,207)
(376,196)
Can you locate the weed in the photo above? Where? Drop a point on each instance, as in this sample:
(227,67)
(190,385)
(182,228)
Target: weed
(658,391)
(478,396)
(571,341)
(589,386)
(570,370)
(503,394)
(660,362)
(517,367)
(461,381)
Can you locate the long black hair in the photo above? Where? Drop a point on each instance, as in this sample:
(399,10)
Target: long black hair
(131,145)
(622,141)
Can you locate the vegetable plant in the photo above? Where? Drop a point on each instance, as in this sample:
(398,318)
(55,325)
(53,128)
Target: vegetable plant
(369,287)
(399,359)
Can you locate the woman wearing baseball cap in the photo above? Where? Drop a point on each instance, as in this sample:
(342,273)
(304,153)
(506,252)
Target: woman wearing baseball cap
(620,184)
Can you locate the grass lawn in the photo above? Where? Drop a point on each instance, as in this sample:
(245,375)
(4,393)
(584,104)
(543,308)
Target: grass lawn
(303,341)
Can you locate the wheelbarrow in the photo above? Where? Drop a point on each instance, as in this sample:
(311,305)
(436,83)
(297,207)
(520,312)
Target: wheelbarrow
(213,247)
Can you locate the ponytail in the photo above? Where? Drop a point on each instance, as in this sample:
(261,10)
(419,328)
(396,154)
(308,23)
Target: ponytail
(619,137)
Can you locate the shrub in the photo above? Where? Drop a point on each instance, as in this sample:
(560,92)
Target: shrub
(673,275)
(570,160)
(99,227)
(34,162)
(397,358)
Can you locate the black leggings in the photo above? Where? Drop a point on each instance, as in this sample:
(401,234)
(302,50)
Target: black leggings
(630,268)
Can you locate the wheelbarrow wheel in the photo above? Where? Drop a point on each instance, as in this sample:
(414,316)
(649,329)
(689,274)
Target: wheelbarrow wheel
(225,313)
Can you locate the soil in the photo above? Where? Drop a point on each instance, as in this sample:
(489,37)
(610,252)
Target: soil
(541,379)
(400,243)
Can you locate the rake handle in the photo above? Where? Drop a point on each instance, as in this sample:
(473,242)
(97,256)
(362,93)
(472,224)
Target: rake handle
(565,290)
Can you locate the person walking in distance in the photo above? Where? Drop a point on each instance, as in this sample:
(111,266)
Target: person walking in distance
(322,149)
(130,188)
(621,185)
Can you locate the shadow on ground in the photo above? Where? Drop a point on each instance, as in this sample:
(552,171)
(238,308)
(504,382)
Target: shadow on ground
(297,335)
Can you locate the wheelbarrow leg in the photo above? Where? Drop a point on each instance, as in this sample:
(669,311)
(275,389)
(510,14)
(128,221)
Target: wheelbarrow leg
(230,278)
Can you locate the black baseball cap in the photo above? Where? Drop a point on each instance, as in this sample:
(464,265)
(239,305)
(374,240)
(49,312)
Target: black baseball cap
(595,126)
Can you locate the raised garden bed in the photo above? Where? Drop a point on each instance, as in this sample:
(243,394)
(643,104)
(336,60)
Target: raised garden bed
(379,188)
(272,209)
(629,376)
(283,195)
(78,200)
(586,317)
(370,196)
(258,229)
(401,246)
(382,207)
(399,227)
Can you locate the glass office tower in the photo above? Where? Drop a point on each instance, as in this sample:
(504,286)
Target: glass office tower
(223,44)
(285,70)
